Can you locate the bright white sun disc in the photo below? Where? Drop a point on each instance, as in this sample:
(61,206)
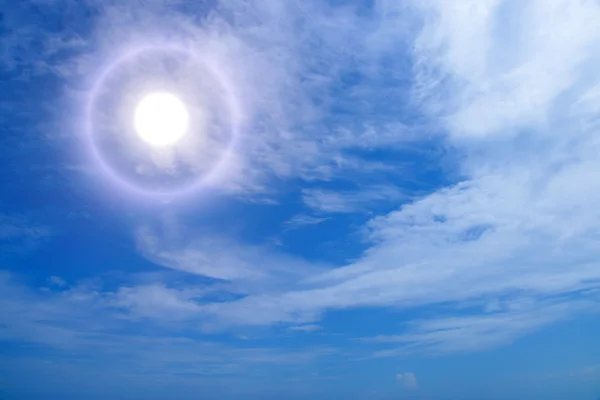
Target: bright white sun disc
(161,119)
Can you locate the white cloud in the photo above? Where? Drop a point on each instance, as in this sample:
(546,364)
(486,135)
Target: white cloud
(407,379)
(509,61)
(513,87)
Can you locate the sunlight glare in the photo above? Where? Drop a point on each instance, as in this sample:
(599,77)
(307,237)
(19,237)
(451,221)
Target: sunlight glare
(161,119)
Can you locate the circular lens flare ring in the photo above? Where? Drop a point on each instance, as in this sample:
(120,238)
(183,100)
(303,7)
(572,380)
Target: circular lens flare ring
(161,119)
(233,103)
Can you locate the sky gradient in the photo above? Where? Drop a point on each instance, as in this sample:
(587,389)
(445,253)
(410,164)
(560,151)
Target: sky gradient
(389,200)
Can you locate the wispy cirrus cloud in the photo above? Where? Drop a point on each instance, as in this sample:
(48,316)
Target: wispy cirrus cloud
(303,220)
(246,267)
(483,330)
(85,320)
(360,200)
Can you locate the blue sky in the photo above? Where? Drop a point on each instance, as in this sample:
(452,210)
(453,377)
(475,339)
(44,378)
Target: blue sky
(381,200)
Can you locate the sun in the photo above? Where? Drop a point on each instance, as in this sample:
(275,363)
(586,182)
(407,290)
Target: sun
(161,119)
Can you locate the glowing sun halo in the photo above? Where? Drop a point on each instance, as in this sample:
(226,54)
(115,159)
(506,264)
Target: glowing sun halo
(161,119)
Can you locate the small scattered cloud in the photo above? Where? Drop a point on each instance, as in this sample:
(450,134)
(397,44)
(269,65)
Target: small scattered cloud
(20,227)
(585,373)
(305,328)
(302,220)
(408,380)
(18,233)
(57,281)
